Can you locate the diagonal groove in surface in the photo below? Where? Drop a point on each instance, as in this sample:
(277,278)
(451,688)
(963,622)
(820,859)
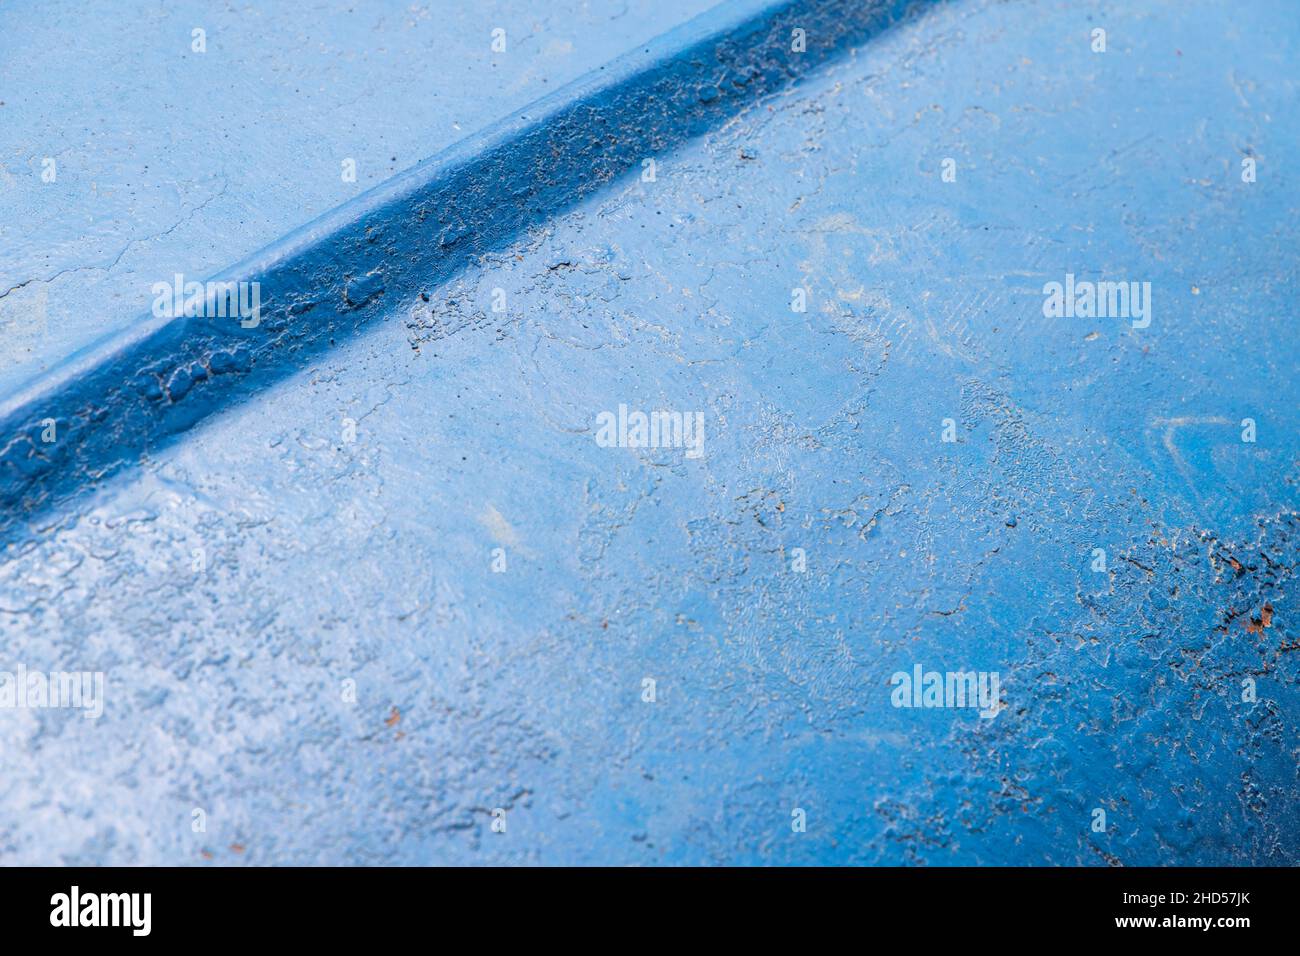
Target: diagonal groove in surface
(133,392)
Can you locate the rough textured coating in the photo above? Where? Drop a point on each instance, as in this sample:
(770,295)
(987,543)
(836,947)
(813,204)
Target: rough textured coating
(348,516)
(171,160)
(128,394)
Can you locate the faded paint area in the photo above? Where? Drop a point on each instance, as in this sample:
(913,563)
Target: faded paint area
(331,556)
(168,160)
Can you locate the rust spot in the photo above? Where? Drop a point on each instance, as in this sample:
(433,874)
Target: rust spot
(237,847)
(207,855)
(1265,619)
(393,719)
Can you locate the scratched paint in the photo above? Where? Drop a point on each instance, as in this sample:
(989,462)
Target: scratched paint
(349,518)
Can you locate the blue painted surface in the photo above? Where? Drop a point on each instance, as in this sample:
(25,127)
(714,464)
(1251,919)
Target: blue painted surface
(169,160)
(347,517)
(119,398)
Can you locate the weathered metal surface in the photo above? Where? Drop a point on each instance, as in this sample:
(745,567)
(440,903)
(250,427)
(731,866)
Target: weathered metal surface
(114,401)
(425,515)
(172,159)
(168,158)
